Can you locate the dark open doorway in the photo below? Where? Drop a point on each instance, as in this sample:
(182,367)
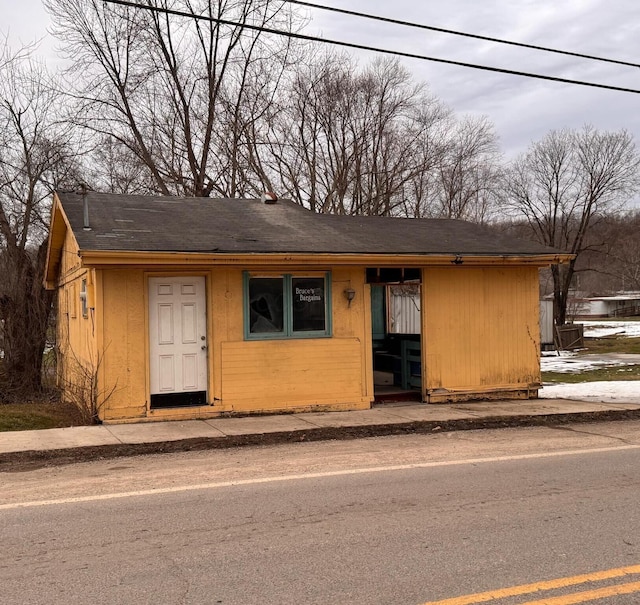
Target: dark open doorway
(396,327)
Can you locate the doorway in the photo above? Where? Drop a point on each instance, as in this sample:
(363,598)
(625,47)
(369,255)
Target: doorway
(177,341)
(397,340)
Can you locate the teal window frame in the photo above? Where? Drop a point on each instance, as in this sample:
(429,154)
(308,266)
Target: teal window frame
(287,332)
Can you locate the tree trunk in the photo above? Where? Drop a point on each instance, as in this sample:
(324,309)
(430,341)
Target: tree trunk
(25,310)
(562,277)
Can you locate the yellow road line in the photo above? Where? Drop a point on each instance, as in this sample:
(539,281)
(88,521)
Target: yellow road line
(503,593)
(589,595)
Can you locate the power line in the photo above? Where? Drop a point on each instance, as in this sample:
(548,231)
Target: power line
(458,33)
(298,36)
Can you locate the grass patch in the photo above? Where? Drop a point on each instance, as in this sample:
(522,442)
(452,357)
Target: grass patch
(601,346)
(610,344)
(37,415)
(612,373)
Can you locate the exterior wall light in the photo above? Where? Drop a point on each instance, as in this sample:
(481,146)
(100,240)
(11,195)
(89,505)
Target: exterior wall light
(349,294)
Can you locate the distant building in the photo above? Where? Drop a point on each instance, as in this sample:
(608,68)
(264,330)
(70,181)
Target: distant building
(624,304)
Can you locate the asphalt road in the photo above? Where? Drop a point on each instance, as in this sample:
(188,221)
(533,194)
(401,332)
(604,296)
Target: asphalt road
(389,520)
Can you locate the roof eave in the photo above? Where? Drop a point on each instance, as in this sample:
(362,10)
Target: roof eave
(58,226)
(106,258)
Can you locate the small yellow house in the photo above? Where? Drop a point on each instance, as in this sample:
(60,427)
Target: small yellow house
(174,308)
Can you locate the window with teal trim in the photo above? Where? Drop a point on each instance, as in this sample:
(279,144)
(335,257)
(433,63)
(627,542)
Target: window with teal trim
(287,306)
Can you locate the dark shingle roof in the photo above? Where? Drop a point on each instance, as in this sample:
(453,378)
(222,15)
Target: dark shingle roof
(174,224)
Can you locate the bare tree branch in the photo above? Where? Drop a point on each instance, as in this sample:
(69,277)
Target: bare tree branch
(564,185)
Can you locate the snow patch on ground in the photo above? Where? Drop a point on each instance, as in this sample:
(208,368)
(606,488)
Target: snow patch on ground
(606,391)
(598,329)
(572,363)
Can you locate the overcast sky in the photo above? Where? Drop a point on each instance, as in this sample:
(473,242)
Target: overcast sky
(522,109)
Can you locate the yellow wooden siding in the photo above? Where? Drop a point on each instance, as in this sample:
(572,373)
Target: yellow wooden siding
(480,328)
(271,375)
(225,319)
(480,335)
(124,343)
(243,375)
(76,344)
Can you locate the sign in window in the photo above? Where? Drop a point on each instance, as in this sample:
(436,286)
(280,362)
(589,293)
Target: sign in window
(308,304)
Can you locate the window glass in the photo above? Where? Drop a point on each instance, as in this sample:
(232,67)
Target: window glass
(266,309)
(83,299)
(308,298)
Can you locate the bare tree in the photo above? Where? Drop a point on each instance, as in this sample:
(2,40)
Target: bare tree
(469,171)
(198,107)
(176,93)
(614,263)
(34,158)
(348,140)
(564,184)
(352,140)
(115,168)
(627,256)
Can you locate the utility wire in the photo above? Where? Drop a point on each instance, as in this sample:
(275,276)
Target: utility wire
(298,36)
(457,33)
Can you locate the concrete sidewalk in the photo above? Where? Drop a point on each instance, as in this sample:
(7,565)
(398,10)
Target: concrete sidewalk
(91,442)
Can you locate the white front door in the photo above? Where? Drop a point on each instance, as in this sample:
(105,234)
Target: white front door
(177,341)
